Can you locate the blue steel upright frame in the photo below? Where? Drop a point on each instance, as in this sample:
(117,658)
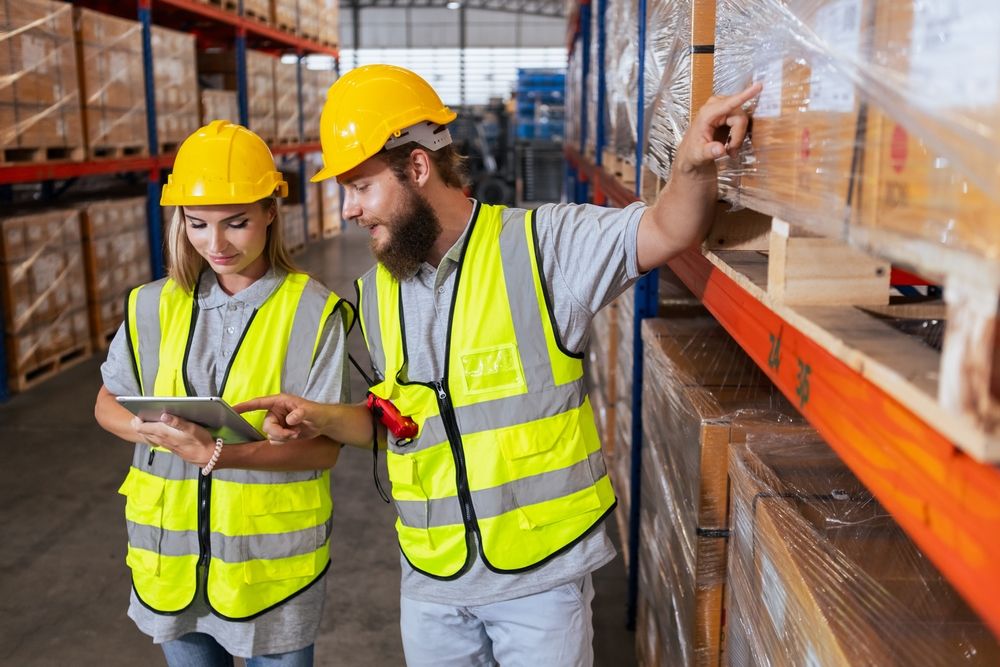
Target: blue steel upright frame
(154,224)
(646,299)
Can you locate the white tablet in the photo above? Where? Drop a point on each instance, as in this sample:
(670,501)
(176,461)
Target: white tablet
(211,412)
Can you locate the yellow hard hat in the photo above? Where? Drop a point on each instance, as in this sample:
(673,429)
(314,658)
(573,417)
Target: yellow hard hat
(366,107)
(222,163)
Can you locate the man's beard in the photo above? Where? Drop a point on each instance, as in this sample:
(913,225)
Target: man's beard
(411,234)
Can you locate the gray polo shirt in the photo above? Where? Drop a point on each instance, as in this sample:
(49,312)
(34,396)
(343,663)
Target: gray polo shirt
(221,321)
(589,258)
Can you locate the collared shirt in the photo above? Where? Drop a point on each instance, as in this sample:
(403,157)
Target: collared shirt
(589,257)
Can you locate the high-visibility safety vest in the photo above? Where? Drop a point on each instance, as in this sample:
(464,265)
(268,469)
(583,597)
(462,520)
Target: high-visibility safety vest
(507,447)
(264,536)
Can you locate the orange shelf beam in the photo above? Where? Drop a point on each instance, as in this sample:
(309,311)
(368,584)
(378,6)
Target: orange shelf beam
(945,500)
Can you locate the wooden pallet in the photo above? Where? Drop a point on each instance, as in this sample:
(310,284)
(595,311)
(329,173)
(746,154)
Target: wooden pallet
(25,379)
(32,155)
(118,151)
(251,14)
(839,296)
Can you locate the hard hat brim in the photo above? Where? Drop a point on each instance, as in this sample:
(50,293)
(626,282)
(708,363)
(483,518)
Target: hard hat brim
(323,174)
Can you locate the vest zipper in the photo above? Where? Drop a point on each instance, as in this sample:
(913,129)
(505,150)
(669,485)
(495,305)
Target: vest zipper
(204,502)
(455,440)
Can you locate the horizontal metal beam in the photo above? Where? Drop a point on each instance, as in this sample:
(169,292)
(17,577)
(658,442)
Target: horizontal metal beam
(551,8)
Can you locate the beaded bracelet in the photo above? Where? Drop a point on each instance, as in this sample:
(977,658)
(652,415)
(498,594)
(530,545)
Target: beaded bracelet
(215,457)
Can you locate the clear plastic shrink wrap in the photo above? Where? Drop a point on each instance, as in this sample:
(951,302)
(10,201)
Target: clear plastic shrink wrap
(621,57)
(667,81)
(39,89)
(574,87)
(116,259)
(820,574)
(877,119)
(696,381)
(44,297)
(175,71)
(113,94)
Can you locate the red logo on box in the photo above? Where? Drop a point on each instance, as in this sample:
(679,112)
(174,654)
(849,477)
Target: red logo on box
(898,149)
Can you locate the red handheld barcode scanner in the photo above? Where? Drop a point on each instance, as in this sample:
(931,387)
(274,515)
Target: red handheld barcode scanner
(402,427)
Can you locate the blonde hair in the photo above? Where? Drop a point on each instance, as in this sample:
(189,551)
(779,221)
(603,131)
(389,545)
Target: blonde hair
(184,264)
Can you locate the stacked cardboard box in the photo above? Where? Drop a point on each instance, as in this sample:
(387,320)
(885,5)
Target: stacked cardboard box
(286,96)
(309,19)
(330,217)
(44,302)
(820,574)
(313,162)
(697,380)
(286,15)
(258,9)
(293,226)
(315,83)
(329,22)
(39,92)
(112,84)
(176,76)
(116,256)
(219,105)
(218,70)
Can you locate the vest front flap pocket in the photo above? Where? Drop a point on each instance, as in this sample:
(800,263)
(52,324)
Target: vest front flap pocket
(143,497)
(264,499)
(492,369)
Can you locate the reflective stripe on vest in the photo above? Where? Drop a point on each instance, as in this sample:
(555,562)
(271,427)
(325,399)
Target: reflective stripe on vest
(265,533)
(507,444)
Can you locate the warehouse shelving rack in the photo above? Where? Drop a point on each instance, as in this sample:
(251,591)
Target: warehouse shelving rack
(212,25)
(947,501)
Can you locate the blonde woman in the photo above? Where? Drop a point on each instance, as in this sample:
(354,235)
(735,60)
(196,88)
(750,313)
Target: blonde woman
(228,542)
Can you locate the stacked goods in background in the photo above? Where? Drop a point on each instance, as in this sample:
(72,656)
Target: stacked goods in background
(875,127)
(219,105)
(116,257)
(176,75)
(39,93)
(111,84)
(218,70)
(868,128)
(315,83)
(697,384)
(309,19)
(610,368)
(293,226)
(574,86)
(258,9)
(286,98)
(593,84)
(621,73)
(313,162)
(820,574)
(285,15)
(44,300)
(329,18)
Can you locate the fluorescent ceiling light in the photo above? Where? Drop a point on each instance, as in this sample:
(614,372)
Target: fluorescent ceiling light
(454,5)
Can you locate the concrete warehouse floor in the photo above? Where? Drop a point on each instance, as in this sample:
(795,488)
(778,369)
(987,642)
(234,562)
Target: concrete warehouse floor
(64,585)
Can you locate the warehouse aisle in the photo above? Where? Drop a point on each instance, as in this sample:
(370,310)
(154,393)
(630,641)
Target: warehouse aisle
(63,579)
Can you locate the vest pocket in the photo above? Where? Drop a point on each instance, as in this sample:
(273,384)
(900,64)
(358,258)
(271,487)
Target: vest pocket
(144,519)
(407,493)
(492,370)
(283,527)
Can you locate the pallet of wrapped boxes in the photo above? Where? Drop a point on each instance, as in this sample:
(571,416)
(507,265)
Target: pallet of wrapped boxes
(44,298)
(111,84)
(40,90)
(820,574)
(116,257)
(875,129)
(176,75)
(218,70)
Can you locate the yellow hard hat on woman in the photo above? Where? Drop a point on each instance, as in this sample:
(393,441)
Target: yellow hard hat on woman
(370,105)
(222,163)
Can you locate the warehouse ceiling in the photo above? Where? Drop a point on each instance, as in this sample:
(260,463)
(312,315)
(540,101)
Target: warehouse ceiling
(554,8)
